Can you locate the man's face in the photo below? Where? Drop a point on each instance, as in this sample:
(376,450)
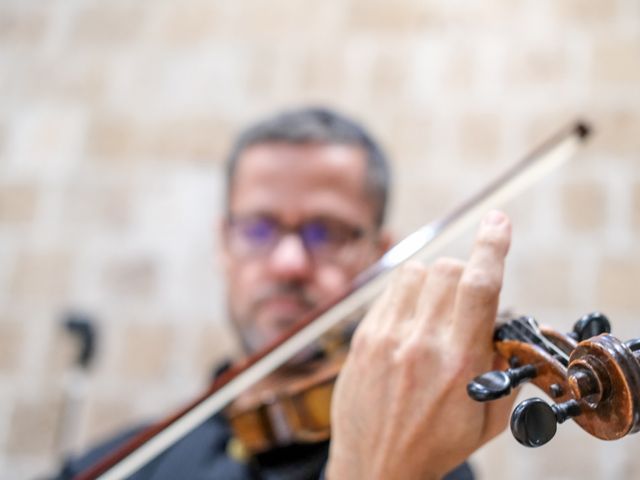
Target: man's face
(301,226)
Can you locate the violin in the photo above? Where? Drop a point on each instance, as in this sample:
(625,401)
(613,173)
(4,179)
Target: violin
(593,376)
(266,418)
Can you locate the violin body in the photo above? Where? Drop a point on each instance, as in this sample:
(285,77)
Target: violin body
(298,411)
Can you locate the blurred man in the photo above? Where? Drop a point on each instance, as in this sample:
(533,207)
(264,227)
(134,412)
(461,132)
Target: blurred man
(306,198)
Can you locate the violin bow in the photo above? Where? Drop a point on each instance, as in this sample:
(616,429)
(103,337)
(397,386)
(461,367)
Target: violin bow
(424,244)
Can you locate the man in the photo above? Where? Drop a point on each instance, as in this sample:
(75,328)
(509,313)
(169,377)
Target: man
(306,201)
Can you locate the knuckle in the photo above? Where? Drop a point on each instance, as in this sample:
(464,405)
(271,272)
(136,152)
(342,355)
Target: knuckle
(458,365)
(412,271)
(409,354)
(418,352)
(479,282)
(448,266)
(366,343)
(491,239)
(409,363)
(361,342)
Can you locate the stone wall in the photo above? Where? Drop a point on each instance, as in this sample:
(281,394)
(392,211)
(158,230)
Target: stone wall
(114,121)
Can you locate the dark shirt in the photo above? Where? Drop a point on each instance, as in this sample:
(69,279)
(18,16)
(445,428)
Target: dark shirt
(202,455)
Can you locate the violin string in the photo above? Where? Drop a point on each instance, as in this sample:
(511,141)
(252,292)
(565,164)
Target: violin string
(532,327)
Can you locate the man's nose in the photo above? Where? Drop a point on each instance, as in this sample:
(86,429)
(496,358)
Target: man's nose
(290,259)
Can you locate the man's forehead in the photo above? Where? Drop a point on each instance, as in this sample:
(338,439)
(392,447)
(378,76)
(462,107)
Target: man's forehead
(334,166)
(311,173)
(311,156)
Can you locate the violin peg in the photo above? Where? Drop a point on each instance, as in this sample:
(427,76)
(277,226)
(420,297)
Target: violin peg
(534,421)
(590,325)
(498,384)
(633,344)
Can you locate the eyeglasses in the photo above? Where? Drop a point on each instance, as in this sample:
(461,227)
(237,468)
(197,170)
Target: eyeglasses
(324,239)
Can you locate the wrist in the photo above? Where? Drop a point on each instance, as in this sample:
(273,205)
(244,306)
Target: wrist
(350,469)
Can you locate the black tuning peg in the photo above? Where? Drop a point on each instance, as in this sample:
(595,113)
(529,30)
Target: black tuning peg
(497,384)
(633,344)
(534,421)
(590,325)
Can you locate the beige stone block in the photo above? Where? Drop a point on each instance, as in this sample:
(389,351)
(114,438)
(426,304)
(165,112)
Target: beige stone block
(571,454)
(88,204)
(575,12)
(540,127)
(420,200)
(18,203)
(146,351)
(459,70)
(382,17)
(286,20)
(189,23)
(131,277)
(635,205)
(12,344)
(106,416)
(543,280)
(537,66)
(195,138)
(584,205)
(3,136)
(107,24)
(33,426)
(322,73)
(215,344)
(617,282)
(39,275)
(63,349)
(617,132)
(471,15)
(265,20)
(113,138)
(84,79)
(263,70)
(413,140)
(630,463)
(479,138)
(22,26)
(617,62)
(79,79)
(46,139)
(389,72)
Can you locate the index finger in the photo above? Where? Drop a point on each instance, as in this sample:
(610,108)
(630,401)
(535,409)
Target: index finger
(478,292)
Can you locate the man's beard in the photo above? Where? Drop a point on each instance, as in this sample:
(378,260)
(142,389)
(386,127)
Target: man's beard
(252,336)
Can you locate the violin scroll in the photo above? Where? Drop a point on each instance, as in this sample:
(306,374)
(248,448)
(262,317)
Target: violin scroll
(593,377)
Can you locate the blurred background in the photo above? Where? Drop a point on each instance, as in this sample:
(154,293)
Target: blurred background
(115,118)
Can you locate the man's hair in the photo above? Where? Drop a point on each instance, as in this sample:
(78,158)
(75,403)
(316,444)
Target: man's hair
(318,125)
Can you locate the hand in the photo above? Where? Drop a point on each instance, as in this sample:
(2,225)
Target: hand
(400,407)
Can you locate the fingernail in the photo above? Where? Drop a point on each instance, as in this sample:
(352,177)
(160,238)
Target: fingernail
(494,217)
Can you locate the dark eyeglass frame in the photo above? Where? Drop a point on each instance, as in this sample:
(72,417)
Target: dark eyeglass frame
(339,236)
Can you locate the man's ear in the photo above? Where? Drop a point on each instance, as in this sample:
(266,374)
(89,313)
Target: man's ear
(385,240)
(222,237)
